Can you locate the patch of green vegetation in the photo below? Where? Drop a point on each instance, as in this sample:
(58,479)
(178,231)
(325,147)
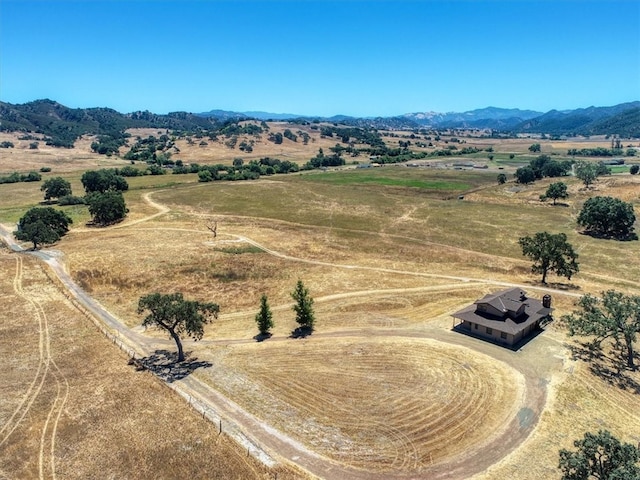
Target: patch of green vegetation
(240,250)
(619,168)
(391,179)
(350,179)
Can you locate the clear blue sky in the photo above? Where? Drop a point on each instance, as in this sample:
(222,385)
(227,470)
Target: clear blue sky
(309,57)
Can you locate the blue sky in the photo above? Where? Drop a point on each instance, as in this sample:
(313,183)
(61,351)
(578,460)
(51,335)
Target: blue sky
(353,57)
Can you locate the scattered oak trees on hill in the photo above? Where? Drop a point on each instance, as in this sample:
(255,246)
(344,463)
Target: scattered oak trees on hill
(550,253)
(177,316)
(42,226)
(600,456)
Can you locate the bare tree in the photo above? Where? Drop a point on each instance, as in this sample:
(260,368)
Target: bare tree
(213,226)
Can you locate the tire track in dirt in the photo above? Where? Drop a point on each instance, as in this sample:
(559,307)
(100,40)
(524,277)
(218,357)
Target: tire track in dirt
(38,380)
(45,361)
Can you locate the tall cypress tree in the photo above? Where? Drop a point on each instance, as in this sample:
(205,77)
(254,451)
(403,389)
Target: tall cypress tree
(303,306)
(264,318)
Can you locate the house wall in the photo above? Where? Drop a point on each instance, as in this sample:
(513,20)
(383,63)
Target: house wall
(494,336)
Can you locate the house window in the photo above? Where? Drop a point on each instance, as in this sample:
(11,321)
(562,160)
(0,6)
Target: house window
(503,334)
(475,325)
(489,331)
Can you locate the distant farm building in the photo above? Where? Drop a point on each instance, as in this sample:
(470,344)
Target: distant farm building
(506,317)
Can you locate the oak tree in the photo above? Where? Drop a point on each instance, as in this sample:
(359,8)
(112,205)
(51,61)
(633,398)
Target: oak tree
(550,253)
(608,217)
(55,187)
(615,316)
(600,456)
(42,226)
(171,312)
(556,190)
(106,208)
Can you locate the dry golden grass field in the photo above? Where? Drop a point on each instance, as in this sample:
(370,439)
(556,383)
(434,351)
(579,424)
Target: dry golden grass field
(382,389)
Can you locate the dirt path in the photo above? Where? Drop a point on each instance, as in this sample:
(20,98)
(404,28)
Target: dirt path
(265,442)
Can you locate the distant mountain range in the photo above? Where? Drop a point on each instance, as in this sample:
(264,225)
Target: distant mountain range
(622,119)
(64,124)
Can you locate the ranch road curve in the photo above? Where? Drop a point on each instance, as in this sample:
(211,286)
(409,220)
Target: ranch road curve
(263,438)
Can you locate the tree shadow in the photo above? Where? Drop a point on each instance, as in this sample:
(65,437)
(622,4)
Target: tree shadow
(630,237)
(554,285)
(165,365)
(301,332)
(92,224)
(261,337)
(611,369)
(562,286)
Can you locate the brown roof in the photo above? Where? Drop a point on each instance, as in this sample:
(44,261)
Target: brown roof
(508,302)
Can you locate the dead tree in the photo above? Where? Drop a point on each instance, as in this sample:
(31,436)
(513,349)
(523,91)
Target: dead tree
(214,228)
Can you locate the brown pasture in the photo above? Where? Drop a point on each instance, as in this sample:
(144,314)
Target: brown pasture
(383,384)
(72,407)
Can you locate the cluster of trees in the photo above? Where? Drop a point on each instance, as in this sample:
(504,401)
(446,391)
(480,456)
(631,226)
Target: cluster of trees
(604,217)
(16,177)
(275,138)
(179,317)
(6,144)
(322,160)
(290,135)
(109,144)
(241,171)
(368,136)
(588,172)
(540,167)
(147,149)
(303,307)
(103,197)
(270,166)
(595,152)
(234,128)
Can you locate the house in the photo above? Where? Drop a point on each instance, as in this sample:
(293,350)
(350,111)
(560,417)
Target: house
(504,317)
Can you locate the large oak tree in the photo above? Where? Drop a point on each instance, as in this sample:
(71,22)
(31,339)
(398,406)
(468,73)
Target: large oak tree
(42,226)
(615,316)
(550,253)
(600,456)
(171,312)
